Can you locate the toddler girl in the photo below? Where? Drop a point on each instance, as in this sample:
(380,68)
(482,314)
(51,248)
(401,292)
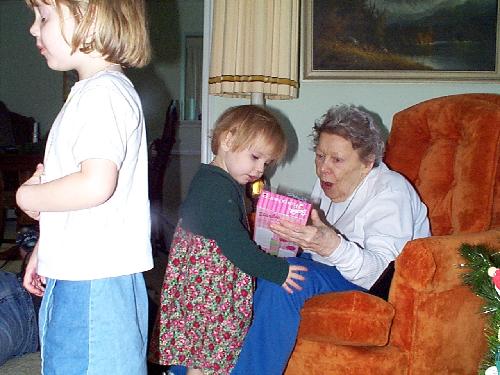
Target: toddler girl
(206,301)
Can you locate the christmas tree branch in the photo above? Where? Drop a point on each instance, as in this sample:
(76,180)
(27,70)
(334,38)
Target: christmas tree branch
(479,258)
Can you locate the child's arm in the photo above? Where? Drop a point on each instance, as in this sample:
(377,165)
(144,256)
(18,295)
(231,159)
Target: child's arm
(34,180)
(213,209)
(93,185)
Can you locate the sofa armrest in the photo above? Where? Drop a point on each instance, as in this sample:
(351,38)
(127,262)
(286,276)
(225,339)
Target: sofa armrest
(347,318)
(432,264)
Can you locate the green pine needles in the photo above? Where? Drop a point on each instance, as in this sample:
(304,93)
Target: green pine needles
(479,258)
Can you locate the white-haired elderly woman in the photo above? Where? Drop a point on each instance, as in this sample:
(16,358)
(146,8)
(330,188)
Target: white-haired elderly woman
(370,212)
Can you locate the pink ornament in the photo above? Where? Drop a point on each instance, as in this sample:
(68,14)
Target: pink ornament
(494,273)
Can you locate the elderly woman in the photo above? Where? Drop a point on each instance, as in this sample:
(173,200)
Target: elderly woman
(369,213)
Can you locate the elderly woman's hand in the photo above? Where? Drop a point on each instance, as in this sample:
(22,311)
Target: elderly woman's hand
(317,237)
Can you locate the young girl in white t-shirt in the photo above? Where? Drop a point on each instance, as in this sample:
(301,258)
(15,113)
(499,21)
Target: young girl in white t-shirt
(91,193)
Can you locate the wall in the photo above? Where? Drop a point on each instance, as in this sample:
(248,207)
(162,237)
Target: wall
(160,82)
(29,87)
(381,98)
(315,97)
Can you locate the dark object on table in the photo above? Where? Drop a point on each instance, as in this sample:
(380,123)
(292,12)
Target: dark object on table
(6,134)
(15,129)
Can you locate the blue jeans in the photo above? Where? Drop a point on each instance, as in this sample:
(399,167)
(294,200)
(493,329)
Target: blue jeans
(276,318)
(18,327)
(94,327)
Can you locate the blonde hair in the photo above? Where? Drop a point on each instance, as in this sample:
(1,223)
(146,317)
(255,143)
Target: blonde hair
(249,124)
(117,29)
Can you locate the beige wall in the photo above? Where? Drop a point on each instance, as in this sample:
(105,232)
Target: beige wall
(382,99)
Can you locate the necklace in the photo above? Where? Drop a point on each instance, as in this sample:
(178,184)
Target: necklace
(346,207)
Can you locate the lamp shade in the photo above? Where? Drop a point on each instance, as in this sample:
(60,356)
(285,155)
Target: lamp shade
(255,48)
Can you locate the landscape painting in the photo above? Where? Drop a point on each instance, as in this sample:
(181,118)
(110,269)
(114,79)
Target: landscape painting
(440,39)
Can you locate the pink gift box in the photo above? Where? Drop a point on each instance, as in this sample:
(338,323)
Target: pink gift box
(272,207)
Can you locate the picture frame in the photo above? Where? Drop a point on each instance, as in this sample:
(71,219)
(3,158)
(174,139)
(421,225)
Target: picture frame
(354,39)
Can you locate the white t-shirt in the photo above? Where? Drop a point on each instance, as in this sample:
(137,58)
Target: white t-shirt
(101,119)
(375,223)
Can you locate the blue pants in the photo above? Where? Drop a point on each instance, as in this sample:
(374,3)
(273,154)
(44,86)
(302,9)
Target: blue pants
(94,327)
(18,328)
(272,335)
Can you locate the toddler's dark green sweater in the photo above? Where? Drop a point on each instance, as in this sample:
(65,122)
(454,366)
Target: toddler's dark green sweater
(214,208)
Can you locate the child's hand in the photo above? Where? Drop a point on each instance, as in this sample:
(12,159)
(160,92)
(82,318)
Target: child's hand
(33,282)
(36,179)
(293,274)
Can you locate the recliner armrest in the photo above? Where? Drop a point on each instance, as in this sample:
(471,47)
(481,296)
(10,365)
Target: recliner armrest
(347,318)
(431,264)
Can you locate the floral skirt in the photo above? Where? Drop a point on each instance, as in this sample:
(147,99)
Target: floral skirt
(205,307)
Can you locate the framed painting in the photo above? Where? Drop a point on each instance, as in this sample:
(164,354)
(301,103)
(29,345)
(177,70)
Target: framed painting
(401,39)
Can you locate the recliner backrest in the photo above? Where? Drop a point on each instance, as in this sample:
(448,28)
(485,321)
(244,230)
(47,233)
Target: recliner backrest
(449,148)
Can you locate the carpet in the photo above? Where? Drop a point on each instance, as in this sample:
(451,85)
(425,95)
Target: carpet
(28,364)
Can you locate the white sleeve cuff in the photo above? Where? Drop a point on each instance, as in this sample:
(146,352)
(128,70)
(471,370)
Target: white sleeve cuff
(338,254)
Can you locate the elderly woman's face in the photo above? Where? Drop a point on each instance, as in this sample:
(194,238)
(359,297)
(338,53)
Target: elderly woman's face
(339,167)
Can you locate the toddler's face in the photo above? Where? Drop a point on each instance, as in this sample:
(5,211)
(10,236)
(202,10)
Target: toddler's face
(248,165)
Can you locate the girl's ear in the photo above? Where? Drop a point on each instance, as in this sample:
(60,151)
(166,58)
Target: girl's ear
(227,141)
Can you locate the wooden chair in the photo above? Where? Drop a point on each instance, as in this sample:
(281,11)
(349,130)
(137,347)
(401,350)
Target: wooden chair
(159,155)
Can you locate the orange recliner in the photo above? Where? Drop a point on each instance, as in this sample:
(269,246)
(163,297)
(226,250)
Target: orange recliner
(449,148)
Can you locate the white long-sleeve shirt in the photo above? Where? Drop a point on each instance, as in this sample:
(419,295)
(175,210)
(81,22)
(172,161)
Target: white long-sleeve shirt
(375,223)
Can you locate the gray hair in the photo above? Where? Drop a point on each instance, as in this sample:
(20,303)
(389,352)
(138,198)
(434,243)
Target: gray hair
(354,125)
